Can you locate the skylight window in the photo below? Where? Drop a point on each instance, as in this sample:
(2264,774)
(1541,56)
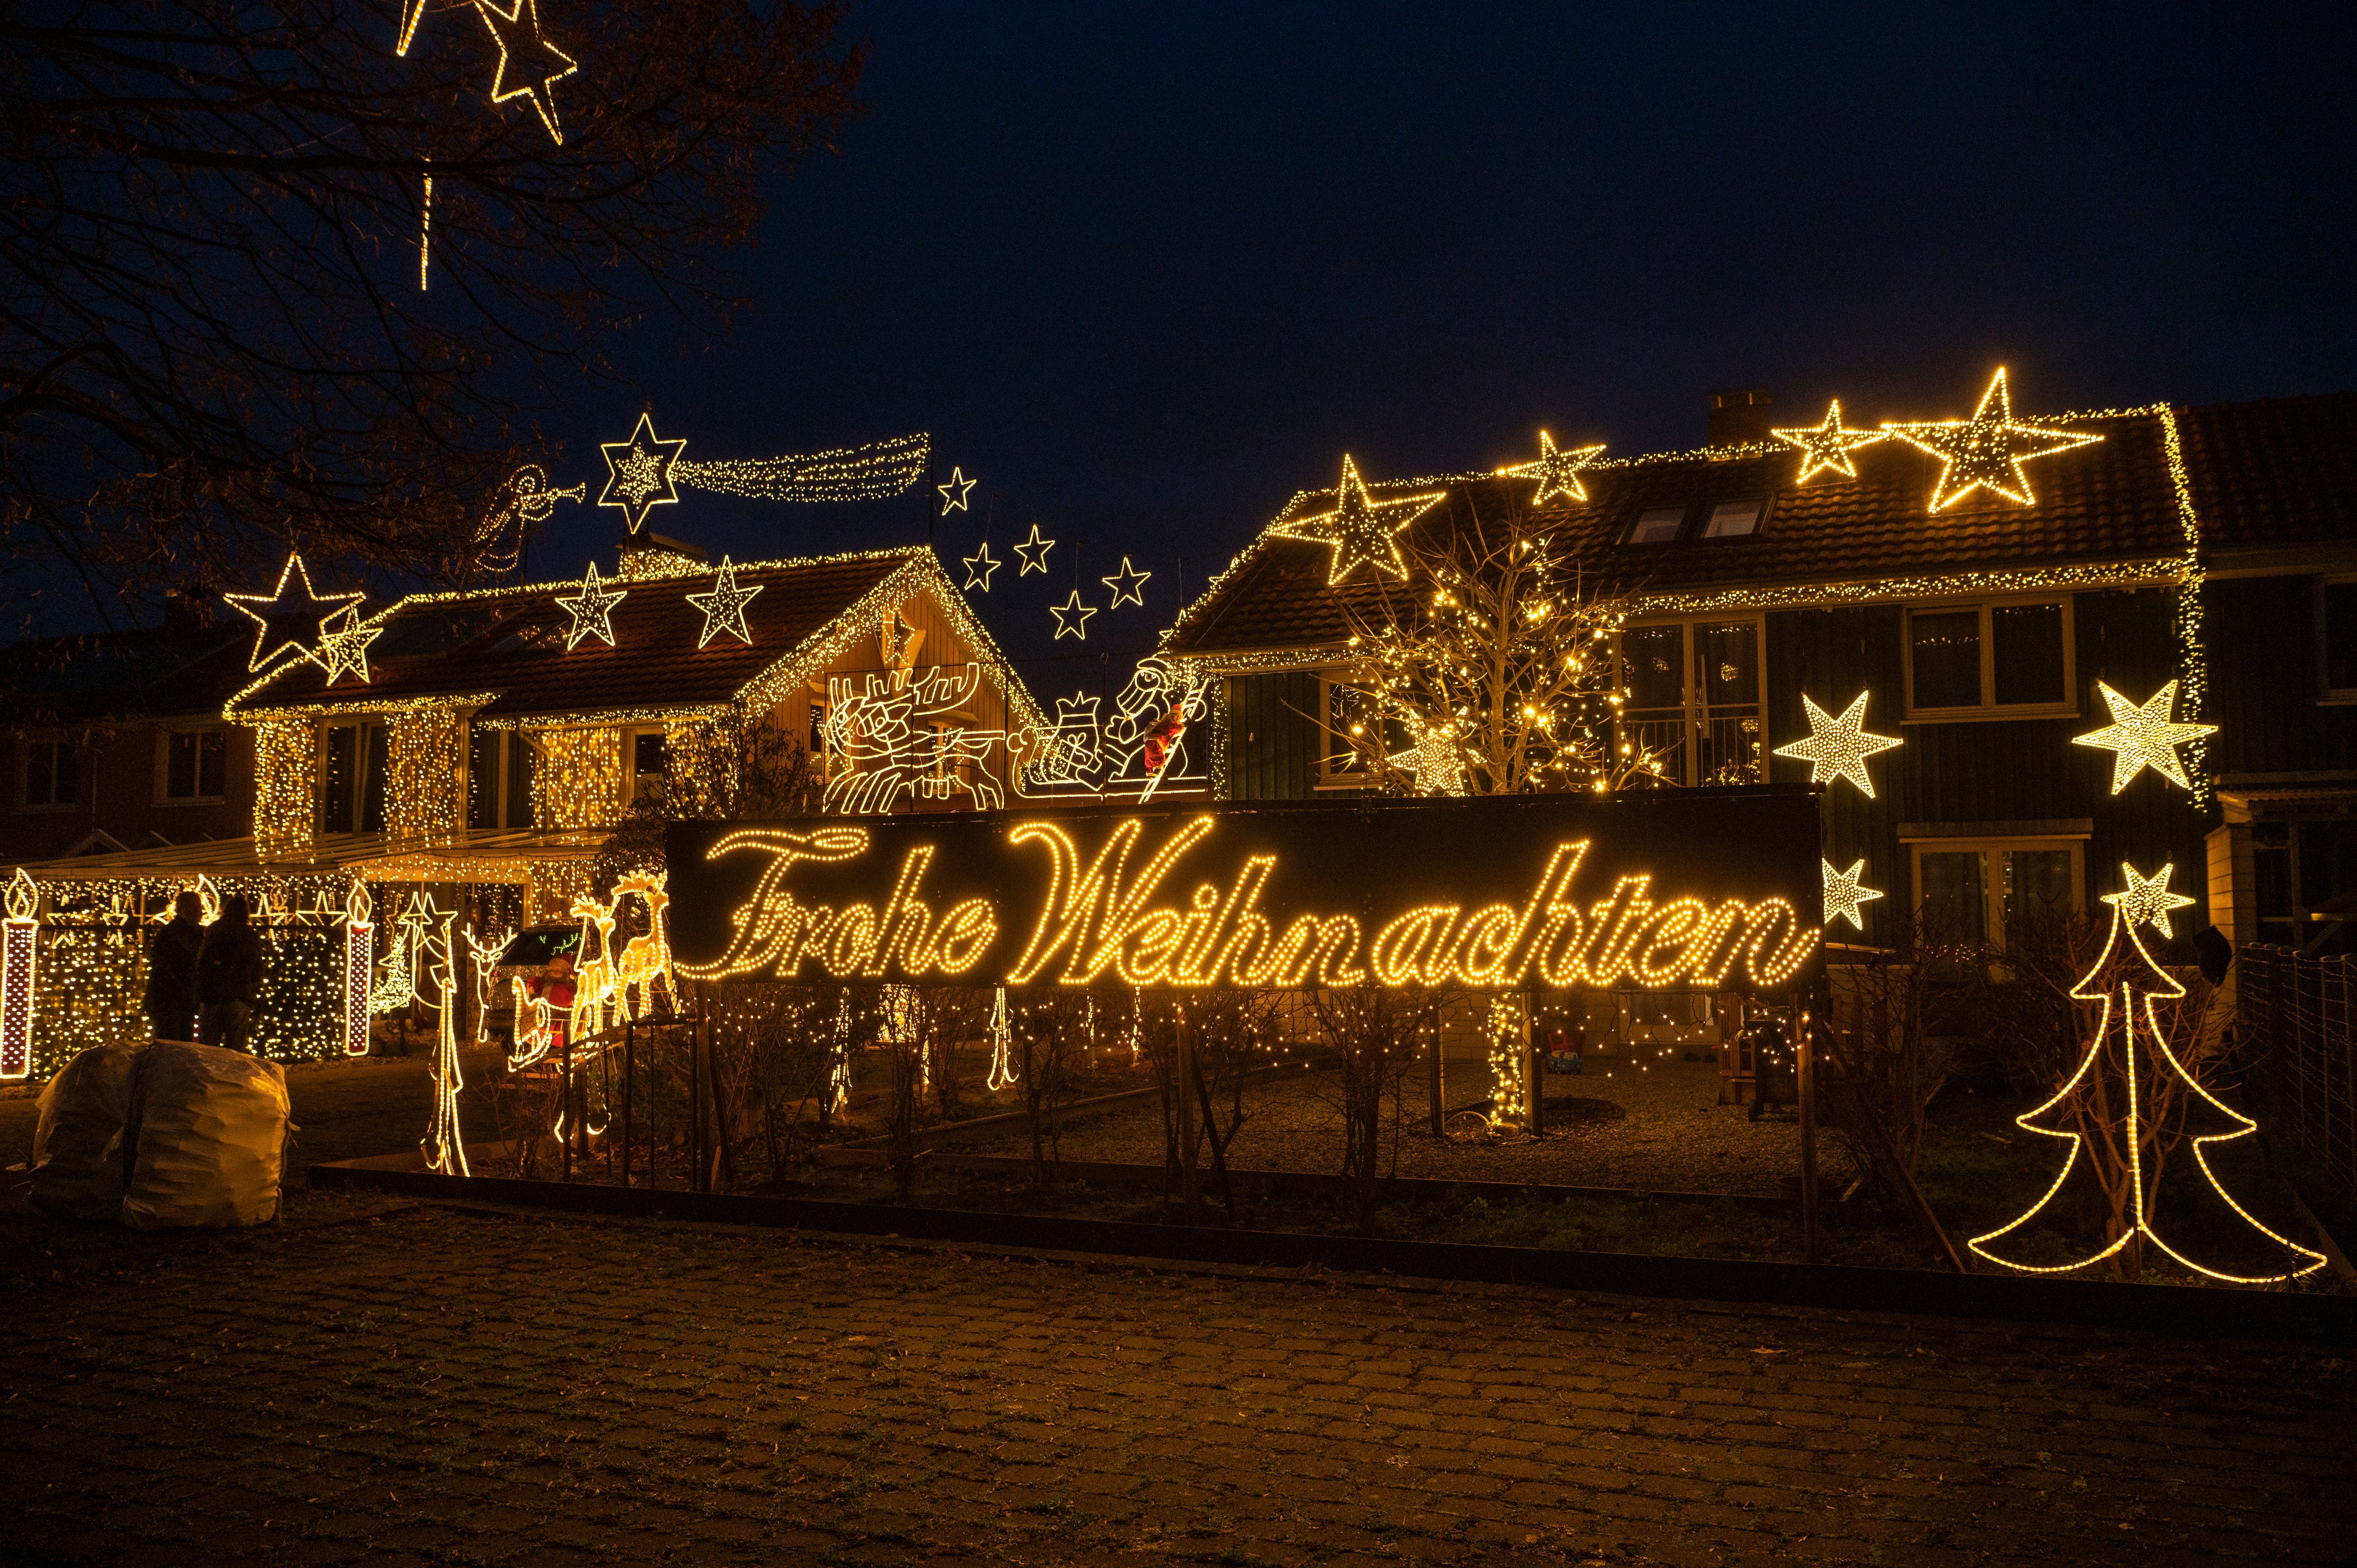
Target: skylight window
(1660,525)
(1734,519)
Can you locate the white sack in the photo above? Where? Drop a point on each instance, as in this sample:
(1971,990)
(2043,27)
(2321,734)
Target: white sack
(78,1154)
(211,1126)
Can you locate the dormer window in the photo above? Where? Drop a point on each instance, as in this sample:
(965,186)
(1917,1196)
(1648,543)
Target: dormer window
(1734,519)
(1657,525)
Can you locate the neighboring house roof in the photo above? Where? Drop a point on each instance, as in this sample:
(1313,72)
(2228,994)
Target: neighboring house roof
(506,646)
(123,676)
(2109,511)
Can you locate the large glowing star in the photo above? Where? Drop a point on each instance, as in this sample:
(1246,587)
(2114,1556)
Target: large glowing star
(1838,748)
(1128,586)
(1828,446)
(1558,472)
(1072,616)
(1034,553)
(1360,529)
(2142,736)
(528,64)
(1844,899)
(2147,899)
(979,567)
(592,609)
(1105,916)
(724,607)
(1986,451)
(638,473)
(288,617)
(953,494)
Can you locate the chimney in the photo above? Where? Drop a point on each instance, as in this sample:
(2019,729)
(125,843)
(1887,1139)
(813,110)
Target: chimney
(1739,418)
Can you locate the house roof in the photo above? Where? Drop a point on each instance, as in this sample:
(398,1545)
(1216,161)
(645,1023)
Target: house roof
(507,645)
(2284,471)
(125,676)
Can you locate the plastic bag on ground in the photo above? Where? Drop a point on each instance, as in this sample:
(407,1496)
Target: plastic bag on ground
(210,1127)
(78,1154)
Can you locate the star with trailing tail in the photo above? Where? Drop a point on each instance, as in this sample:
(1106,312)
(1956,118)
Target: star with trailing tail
(1065,624)
(1360,529)
(592,609)
(1838,748)
(1127,584)
(1034,552)
(2143,735)
(1558,472)
(724,607)
(288,618)
(638,473)
(1828,446)
(538,64)
(1986,451)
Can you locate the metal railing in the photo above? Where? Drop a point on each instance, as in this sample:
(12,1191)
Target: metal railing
(2302,1013)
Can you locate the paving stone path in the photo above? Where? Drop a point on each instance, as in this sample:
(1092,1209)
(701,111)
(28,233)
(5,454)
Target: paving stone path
(423,1384)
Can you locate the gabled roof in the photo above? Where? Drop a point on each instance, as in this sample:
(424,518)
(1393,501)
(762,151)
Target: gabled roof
(2109,511)
(505,647)
(125,676)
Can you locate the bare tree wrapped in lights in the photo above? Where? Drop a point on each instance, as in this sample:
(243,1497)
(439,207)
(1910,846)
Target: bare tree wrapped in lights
(1493,665)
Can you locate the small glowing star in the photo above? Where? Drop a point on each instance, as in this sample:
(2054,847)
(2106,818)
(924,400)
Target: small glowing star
(1828,446)
(1556,472)
(2142,736)
(953,494)
(1986,451)
(979,567)
(1838,748)
(1072,607)
(1034,552)
(2147,898)
(724,607)
(1844,896)
(592,610)
(1127,584)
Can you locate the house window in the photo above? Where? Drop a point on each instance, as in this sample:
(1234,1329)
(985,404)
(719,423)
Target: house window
(195,765)
(1991,893)
(649,754)
(1346,722)
(1694,698)
(50,774)
(1734,519)
(2003,659)
(499,779)
(2339,632)
(351,779)
(1657,525)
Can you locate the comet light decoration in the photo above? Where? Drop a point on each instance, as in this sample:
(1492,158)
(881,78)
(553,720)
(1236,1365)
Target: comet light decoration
(1844,899)
(530,66)
(592,610)
(953,494)
(1828,446)
(1072,616)
(2147,899)
(1558,472)
(724,607)
(359,953)
(288,619)
(877,471)
(19,941)
(2143,735)
(1033,552)
(978,568)
(1837,748)
(1987,451)
(1128,586)
(639,473)
(1360,529)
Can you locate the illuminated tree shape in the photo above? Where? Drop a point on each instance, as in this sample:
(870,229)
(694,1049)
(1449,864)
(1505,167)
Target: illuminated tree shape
(2123,1111)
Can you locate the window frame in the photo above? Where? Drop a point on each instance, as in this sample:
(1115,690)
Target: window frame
(164,739)
(63,745)
(631,736)
(1987,708)
(323,772)
(1333,774)
(1695,706)
(1703,535)
(2326,693)
(1992,883)
(1629,539)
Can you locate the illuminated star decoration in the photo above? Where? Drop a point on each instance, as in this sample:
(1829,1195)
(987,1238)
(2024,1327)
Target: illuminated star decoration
(953,494)
(1556,472)
(1844,896)
(1072,607)
(1035,563)
(638,473)
(1127,584)
(287,618)
(1838,748)
(518,35)
(345,650)
(980,566)
(1359,529)
(724,607)
(412,13)
(1828,446)
(1435,757)
(592,609)
(2144,736)
(1986,451)
(2147,898)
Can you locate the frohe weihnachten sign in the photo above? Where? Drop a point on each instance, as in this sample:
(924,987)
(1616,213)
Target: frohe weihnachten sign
(1666,889)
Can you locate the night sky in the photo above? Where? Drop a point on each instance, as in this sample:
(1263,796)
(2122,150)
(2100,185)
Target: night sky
(1146,274)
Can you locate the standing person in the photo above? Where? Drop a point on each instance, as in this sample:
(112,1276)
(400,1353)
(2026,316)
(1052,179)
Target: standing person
(228,977)
(171,999)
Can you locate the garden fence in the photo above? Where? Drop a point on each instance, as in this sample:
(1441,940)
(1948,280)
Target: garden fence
(2299,1010)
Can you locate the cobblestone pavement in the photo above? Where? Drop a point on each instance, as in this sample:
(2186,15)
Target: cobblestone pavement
(426,1384)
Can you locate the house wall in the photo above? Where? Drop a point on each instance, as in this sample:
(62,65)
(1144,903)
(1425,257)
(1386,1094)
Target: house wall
(2265,682)
(119,790)
(1273,744)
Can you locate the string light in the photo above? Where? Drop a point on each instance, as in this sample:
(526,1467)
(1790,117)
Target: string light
(1844,899)
(2142,981)
(1986,451)
(639,473)
(271,613)
(2147,899)
(19,941)
(953,494)
(285,792)
(1837,748)
(1509,1100)
(1065,624)
(839,1082)
(1556,472)
(979,567)
(875,471)
(577,781)
(1002,1061)
(1828,446)
(425,774)
(724,607)
(517,33)
(1034,553)
(1128,586)
(424,234)
(2143,735)
(1359,529)
(592,610)
(412,13)
(444,1147)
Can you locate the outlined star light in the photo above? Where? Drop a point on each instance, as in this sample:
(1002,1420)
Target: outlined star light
(1556,472)
(953,494)
(979,567)
(638,473)
(283,615)
(1844,896)
(2147,898)
(2144,736)
(1039,561)
(1828,446)
(1838,748)
(344,652)
(1360,528)
(592,609)
(1127,584)
(724,607)
(1072,607)
(521,42)
(1986,451)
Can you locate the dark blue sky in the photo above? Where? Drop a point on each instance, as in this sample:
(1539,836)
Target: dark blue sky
(1147,271)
